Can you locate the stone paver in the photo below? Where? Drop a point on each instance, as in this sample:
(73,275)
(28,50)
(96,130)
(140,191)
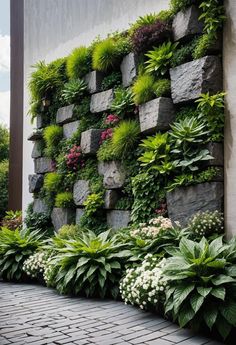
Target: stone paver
(36,315)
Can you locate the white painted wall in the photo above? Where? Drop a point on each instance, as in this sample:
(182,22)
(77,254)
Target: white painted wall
(54,27)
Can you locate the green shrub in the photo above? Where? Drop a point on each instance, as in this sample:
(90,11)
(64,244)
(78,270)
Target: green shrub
(201,286)
(52,181)
(64,200)
(78,63)
(125,137)
(186,112)
(67,232)
(106,152)
(184,53)
(203,45)
(162,87)
(4,143)
(143,89)
(159,59)
(206,223)
(91,264)
(179,5)
(73,91)
(165,15)
(213,16)
(12,220)
(15,247)
(113,80)
(123,103)
(93,203)
(3,187)
(38,221)
(82,110)
(52,136)
(147,19)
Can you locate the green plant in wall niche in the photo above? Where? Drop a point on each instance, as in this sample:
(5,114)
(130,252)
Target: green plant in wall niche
(52,136)
(165,15)
(64,200)
(143,89)
(93,203)
(106,152)
(148,19)
(186,112)
(211,109)
(184,53)
(123,103)
(52,182)
(159,59)
(82,110)
(179,5)
(213,16)
(125,137)
(113,80)
(162,87)
(78,62)
(73,91)
(203,45)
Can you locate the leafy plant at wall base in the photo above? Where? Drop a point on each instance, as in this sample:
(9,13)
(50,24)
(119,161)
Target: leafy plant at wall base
(113,80)
(73,91)
(125,136)
(12,220)
(52,181)
(64,200)
(162,87)
(78,63)
(67,232)
(15,247)
(159,59)
(3,187)
(206,223)
(93,203)
(91,264)
(123,103)
(143,89)
(201,286)
(38,221)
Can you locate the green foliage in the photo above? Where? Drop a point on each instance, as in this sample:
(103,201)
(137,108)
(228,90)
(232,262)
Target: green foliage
(165,15)
(179,5)
(73,91)
(159,59)
(90,173)
(38,221)
(82,109)
(206,223)
(147,19)
(123,103)
(203,45)
(64,200)
(184,53)
(113,80)
(93,203)
(186,112)
(143,89)
(66,232)
(125,137)
(106,152)
(91,264)
(162,87)
(201,285)
(52,135)
(52,182)
(211,109)
(12,220)
(4,143)
(78,62)
(213,16)
(15,247)
(3,187)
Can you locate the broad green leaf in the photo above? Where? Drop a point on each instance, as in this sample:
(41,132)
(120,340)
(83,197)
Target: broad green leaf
(196,302)
(91,270)
(187,248)
(203,291)
(219,293)
(223,327)
(180,294)
(185,315)
(210,315)
(228,311)
(222,279)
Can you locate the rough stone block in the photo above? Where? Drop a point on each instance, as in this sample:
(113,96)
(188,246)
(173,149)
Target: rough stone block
(37,150)
(94,81)
(113,174)
(70,128)
(90,141)
(129,69)
(216,150)
(156,115)
(79,214)
(35,183)
(81,192)
(39,206)
(65,114)
(35,136)
(117,219)
(62,216)
(186,23)
(184,202)
(101,101)
(111,198)
(39,121)
(191,79)
(43,165)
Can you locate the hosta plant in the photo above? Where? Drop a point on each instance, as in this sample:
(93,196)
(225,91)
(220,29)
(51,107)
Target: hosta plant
(201,286)
(123,103)
(91,264)
(15,247)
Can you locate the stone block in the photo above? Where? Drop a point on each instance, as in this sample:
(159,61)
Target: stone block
(43,165)
(79,214)
(80,192)
(113,174)
(39,206)
(101,101)
(70,128)
(216,150)
(90,141)
(110,199)
(156,115)
(94,81)
(40,122)
(65,114)
(186,23)
(35,183)
(117,219)
(184,202)
(35,136)
(190,80)
(129,69)
(62,216)
(37,150)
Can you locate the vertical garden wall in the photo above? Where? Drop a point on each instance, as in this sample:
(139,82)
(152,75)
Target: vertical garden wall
(132,126)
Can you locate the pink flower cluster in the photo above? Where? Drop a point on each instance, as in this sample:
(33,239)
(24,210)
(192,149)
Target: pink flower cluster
(74,158)
(107,134)
(112,119)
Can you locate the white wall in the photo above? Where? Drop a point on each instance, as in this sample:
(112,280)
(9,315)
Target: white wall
(54,27)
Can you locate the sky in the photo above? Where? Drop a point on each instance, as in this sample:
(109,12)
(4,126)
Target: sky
(4,61)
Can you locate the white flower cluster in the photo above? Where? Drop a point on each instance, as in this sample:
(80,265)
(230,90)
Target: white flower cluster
(36,264)
(145,285)
(49,273)
(207,223)
(151,229)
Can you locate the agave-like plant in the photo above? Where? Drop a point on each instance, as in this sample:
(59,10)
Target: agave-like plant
(73,91)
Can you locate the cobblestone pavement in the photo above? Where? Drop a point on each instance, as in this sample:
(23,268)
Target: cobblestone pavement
(31,314)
